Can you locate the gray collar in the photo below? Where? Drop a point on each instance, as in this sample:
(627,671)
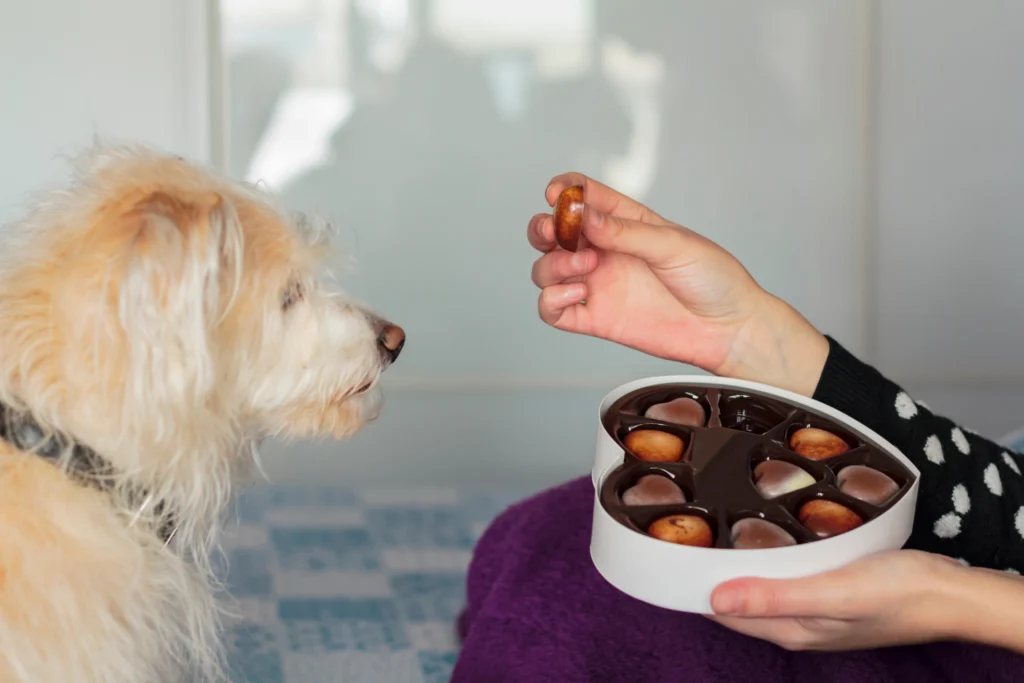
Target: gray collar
(80,462)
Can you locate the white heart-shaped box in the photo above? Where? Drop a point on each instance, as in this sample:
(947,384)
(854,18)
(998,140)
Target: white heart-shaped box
(682,578)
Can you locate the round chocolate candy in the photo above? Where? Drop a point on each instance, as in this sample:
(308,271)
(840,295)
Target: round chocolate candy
(867,484)
(817,444)
(654,445)
(774,478)
(568,217)
(682,411)
(753,533)
(653,489)
(826,518)
(683,530)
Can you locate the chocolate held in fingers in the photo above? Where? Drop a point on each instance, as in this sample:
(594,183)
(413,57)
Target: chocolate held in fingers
(568,216)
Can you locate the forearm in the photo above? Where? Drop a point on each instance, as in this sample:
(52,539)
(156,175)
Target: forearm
(986,606)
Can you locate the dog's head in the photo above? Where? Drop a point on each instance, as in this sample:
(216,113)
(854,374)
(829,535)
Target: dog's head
(164,315)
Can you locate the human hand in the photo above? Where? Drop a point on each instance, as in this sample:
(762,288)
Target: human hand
(895,598)
(660,288)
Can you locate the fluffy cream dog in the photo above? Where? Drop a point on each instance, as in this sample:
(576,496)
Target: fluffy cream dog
(156,320)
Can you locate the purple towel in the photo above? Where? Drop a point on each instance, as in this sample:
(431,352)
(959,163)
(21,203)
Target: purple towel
(538,611)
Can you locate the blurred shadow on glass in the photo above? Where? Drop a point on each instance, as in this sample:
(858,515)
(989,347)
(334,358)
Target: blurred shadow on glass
(430,127)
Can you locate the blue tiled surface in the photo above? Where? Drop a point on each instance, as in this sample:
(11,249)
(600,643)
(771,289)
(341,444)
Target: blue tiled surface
(1016,441)
(339,585)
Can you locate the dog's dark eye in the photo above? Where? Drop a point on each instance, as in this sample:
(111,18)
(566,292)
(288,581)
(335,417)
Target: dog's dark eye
(293,295)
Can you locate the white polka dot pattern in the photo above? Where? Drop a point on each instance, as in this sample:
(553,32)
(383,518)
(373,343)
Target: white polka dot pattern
(961,499)
(992,480)
(1011,463)
(933,450)
(960,441)
(948,525)
(1011,570)
(1018,521)
(905,406)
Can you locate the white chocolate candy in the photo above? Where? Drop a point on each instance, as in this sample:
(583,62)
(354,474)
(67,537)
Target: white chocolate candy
(774,478)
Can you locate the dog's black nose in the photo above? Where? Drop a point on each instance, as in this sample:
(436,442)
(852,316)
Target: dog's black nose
(391,340)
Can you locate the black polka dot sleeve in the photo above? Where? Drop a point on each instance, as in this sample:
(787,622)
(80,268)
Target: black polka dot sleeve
(971,498)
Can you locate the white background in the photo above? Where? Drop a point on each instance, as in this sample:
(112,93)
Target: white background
(864,159)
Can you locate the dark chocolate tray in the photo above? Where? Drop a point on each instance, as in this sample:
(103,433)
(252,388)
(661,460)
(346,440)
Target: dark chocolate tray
(715,472)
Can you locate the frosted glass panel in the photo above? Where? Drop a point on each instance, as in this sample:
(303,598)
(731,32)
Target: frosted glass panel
(428,130)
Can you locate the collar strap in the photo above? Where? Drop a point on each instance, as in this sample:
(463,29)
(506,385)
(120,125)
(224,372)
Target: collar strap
(81,463)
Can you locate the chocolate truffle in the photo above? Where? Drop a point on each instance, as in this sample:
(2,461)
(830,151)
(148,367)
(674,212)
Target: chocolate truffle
(568,217)
(817,444)
(867,484)
(825,518)
(653,489)
(654,446)
(684,530)
(753,533)
(682,411)
(774,478)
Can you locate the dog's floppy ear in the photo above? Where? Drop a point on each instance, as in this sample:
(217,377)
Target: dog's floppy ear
(183,272)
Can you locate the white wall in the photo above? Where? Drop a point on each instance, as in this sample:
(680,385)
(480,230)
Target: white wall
(950,114)
(951,206)
(861,157)
(120,69)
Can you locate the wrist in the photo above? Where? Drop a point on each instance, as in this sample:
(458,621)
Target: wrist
(984,606)
(779,347)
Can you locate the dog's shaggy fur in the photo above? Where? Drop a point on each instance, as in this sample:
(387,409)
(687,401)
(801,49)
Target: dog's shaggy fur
(167,319)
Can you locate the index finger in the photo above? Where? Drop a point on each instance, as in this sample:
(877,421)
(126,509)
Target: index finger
(603,198)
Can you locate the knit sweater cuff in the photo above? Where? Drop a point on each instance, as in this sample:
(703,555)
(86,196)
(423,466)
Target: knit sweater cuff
(851,386)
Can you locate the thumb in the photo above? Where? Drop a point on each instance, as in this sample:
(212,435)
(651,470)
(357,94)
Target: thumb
(657,245)
(820,595)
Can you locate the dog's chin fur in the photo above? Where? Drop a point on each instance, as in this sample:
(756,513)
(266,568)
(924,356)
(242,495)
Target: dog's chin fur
(168,319)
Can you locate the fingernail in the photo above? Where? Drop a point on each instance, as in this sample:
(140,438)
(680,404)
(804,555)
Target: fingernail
(539,228)
(724,602)
(579,260)
(575,292)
